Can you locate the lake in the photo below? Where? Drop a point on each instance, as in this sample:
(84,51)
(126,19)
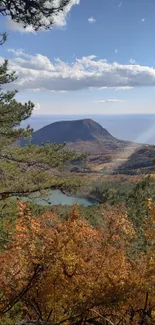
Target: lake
(56,197)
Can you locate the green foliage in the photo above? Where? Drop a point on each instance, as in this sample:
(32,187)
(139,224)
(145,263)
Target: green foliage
(137,200)
(134,196)
(12,113)
(93,214)
(111,192)
(24,169)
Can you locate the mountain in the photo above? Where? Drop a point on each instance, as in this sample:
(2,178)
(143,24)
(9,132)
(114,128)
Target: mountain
(70,131)
(107,154)
(77,131)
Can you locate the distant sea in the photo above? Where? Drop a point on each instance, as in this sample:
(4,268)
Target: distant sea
(139,128)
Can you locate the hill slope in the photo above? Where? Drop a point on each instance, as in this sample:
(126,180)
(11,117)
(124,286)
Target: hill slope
(77,131)
(107,154)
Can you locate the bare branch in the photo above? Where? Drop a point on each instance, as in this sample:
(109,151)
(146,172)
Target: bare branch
(23,292)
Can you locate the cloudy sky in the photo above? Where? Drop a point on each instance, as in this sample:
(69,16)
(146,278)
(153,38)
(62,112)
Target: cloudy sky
(98,59)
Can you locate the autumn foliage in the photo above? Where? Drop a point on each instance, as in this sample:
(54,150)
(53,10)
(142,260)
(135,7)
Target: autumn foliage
(66,272)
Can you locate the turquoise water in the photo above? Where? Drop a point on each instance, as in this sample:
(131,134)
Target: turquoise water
(56,197)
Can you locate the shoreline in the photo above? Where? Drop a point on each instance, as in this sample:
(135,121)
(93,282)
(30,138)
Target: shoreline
(91,199)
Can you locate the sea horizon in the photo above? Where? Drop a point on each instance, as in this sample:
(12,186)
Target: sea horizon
(132,127)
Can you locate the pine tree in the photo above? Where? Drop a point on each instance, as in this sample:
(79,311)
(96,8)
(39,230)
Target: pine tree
(37,13)
(19,165)
(12,112)
(28,169)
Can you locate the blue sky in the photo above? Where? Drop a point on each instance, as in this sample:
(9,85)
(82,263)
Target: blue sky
(98,59)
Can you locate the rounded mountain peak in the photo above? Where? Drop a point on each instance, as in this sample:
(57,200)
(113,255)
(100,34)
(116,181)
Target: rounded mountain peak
(70,131)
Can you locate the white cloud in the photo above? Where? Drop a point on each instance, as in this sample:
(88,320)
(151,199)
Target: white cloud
(60,20)
(123,88)
(143,19)
(38,72)
(120,4)
(17,52)
(18,27)
(116,51)
(37,107)
(92,20)
(117,88)
(104,101)
(132,61)
(39,61)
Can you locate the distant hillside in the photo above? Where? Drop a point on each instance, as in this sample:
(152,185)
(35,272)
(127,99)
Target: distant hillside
(77,131)
(107,154)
